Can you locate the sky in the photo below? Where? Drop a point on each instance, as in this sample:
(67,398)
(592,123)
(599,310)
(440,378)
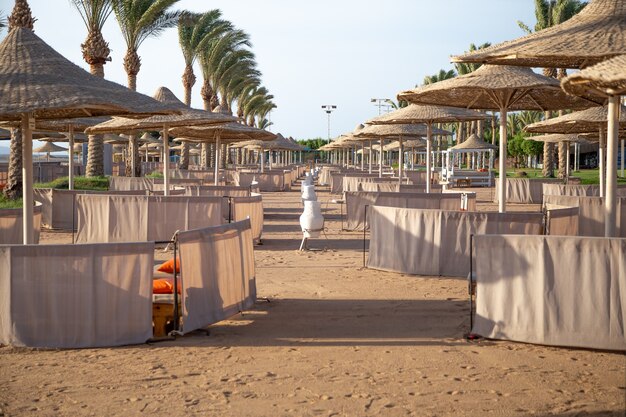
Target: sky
(311,53)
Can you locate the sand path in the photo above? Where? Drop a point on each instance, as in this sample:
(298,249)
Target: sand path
(334,340)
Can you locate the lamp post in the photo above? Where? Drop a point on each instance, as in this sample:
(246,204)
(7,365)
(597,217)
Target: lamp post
(329,108)
(380,102)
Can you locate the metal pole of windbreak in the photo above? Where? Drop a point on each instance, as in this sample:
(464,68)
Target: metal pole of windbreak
(230,209)
(174,242)
(73,217)
(471,282)
(364,230)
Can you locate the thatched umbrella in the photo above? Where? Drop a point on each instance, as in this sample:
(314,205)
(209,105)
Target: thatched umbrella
(609,79)
(69,126)
(223,133)
(49,148)
(428,115)
(400,131)
(592,120)
(187,117)
(595,34)
(36,82)
(500,88)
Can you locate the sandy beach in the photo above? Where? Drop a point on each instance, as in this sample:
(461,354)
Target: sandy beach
(335,339)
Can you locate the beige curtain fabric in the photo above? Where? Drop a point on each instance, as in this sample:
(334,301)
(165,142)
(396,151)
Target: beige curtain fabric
(130,183)
(249,208)
(382,187)
(76,296)
(11,225)
(324,175)
(112,218)
(58,207)
(356,202)
(436,242)
(418,177)
(578,190)
(268,181)
(562,221)
(219,191)
(217,266)
(591,213)
(552,290)
(351,183)
(524,190)
(337,182)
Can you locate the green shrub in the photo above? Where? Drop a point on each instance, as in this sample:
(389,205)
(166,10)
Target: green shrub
(80,183)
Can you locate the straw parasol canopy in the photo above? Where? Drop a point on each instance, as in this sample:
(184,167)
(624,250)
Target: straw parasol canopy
(49,147)
(473,143)
(585,121)
(500,88)
(227,133)
(36,82)
(595,34)
(608,77)
(36,79)
(559,137)
(414,113)
(406,130)
(186,117)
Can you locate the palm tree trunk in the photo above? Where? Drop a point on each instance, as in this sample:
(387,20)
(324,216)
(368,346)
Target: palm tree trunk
(13,189)
(95,156)
(132,64)
(189,79)
(204,156)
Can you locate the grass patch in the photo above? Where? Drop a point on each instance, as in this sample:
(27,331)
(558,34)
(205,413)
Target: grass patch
(80,183)
(155,174)
(587,176)
(5,203)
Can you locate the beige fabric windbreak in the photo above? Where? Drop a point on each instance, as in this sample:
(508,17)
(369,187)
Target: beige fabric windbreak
(243,208)
(268,181)
(76,296)
(562,221)
(112,218)
(324,175)
(217,266)
(11,225)
(356,202)
(552,290)
(59,208)
(524,190)
(591,213)
(436,242)
(381,187)
(336,180)
(351,183)
(579,190)
(223,191)
(130,183)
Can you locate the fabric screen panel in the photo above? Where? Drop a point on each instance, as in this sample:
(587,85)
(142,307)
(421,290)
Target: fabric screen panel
(418,177)
(356,201)
(591,213)
(250,208)
(44,196)
(130,183)
(217,264)
(11,225)
(217,190)
(552,290)
(436,242)
(585,190)
(396,240)
(524,190)
(562,221)
(76,296)
(385,187)
(355,208)
(141,218)
(269,181)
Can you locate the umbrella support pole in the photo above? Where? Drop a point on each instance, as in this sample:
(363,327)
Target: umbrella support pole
(502,163)
(610,201)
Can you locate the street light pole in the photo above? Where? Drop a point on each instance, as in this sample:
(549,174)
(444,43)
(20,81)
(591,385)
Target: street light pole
(329,108)
(380,102)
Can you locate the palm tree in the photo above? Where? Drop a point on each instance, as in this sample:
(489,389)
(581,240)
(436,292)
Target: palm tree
(139,20)
(20,16)
(550,13)
(440,76)
(96,53)
(463,68)
(194,31)
(3,20)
